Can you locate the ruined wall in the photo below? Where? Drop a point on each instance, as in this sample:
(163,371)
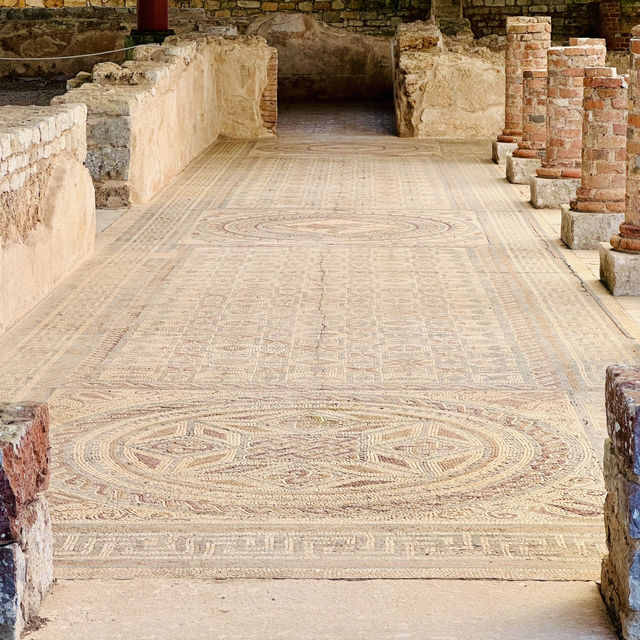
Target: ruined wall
(446,87)
(324,62)
(47,213)
(150,117)
(569,17)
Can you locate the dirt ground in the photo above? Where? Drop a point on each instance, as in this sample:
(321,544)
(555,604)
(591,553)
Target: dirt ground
(26,91)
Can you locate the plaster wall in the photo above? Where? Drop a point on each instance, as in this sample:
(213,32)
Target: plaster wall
(47,213)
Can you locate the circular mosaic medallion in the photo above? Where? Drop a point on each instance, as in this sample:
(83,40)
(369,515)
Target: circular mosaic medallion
(323,226)
(286,459)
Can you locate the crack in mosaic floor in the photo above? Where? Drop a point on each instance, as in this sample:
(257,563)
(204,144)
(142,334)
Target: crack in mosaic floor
(326,355)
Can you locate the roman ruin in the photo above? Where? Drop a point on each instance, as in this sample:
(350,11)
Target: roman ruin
(598,208)
(306,310)
(556,181)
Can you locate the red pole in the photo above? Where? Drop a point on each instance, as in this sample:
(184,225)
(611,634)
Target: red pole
(153,15)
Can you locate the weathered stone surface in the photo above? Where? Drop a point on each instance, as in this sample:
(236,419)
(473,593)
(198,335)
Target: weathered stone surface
(46,203)
(620,271)
(520,170)
(13,577)
(24,464)
(137,138)
(551,193)
(454,91)
(581,230)
(316,60)
(500,151)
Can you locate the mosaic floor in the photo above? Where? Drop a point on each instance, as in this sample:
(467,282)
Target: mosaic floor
(331,354)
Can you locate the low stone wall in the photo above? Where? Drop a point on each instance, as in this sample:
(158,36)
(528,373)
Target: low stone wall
(26,551)
(150,117)
(447,88)
(47,213)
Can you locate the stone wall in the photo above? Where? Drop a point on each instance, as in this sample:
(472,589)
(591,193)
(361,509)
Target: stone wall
(446,87)
(569,18)
(325,62)
(150,117)
(47,215)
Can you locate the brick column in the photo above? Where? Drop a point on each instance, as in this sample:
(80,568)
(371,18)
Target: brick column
(620,264)
(598,207)
(528,38)
(620,585)
(558,178)
(531,147)
(609,15)
(26,564)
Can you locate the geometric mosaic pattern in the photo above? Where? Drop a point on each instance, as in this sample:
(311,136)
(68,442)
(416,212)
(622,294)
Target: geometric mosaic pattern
(332,354)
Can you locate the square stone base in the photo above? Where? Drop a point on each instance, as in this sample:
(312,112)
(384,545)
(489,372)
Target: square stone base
(521,170)
(552,193)
(582,230)
(500,151)
(620,272)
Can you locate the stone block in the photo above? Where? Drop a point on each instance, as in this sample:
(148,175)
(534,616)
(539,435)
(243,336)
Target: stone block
(620,271)
(26,573)
(626,621)
(581,230)
(521,170)
(552,193)
(500,151)
(24,464)
(13,577)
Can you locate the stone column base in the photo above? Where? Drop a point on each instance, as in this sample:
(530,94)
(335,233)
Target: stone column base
(521,170)
(500,151)
(620,272)
(552,193)
(582,230)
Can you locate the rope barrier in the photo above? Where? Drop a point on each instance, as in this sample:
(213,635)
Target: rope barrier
(81,55)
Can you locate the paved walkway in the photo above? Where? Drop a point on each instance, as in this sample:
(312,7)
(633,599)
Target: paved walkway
(331,354)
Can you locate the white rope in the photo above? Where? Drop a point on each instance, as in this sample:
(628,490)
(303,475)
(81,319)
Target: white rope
(81,55)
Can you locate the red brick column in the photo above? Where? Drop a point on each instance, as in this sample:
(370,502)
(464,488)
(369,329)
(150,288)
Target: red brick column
(534,115)
(604,142)
(528,38)
(566,68)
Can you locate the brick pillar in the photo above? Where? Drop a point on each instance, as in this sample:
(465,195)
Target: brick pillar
(534,115)
(566,68)
(620,586)
(531,146)
(598,208)
(528,38)
(26,564)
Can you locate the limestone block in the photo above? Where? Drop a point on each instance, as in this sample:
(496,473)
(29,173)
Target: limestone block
(626,621)
(114,131)
(620,272)
(500,151)
(108,163)
(13,577)
(24,464)
(418,36)
(552,193)
(520,170)
(581,230)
